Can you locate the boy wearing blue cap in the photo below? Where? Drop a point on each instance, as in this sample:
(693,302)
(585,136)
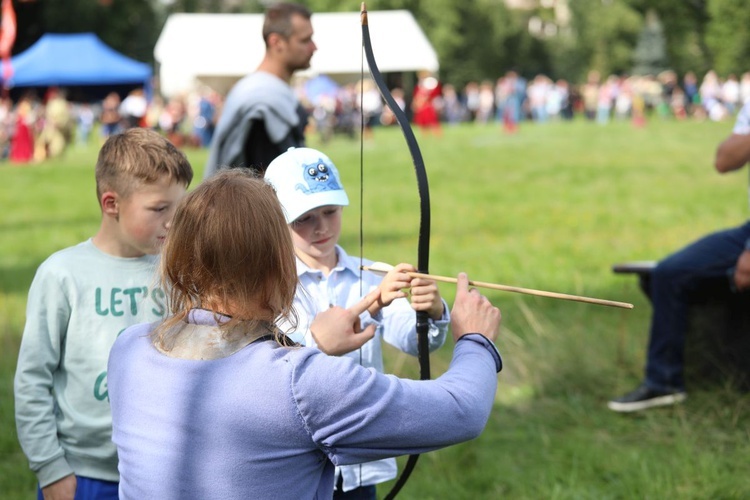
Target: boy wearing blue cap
(309,188)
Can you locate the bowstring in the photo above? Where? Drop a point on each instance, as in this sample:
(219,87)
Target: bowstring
(361,171)
(361,179)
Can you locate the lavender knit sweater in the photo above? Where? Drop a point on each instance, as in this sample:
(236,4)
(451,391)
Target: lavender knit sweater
(271,422)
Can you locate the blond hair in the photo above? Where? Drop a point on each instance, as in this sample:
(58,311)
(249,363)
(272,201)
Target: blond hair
(228,246)
(136,157)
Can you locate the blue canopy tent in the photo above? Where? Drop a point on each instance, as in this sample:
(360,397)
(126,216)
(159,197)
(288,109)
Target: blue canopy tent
(78,59)
(321,85)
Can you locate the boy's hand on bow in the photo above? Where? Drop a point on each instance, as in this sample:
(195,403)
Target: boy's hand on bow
(392,286)
(425,296)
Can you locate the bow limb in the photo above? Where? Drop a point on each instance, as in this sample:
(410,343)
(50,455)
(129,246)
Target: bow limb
(423,256)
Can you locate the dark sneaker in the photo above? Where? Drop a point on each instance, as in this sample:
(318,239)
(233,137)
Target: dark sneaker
(643,398)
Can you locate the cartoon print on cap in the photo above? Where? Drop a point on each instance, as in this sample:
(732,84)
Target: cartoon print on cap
(319,177)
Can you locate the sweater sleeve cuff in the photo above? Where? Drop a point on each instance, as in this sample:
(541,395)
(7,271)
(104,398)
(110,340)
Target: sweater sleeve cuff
(484,341)
(53,471)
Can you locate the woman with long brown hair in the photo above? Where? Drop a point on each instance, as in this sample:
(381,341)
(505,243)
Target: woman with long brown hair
(216,402)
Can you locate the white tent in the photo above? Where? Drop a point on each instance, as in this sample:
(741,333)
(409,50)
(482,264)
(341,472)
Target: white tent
(219,49)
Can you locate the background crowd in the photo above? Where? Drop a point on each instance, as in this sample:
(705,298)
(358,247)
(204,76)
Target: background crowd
(512,99)
(39,126)
(36,127)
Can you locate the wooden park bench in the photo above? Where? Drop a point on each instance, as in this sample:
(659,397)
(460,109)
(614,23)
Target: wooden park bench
(718,339)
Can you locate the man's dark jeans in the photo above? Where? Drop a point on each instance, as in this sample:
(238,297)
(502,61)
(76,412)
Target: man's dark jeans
(705,265)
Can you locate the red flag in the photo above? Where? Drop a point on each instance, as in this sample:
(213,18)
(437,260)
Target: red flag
(7,38)
(7,28)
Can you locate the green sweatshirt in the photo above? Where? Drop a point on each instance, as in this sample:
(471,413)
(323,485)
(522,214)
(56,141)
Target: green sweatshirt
(81,299)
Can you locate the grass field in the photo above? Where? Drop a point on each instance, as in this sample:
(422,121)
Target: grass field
(552,208)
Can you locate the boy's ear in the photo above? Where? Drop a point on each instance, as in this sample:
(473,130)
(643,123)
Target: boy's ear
(110,204)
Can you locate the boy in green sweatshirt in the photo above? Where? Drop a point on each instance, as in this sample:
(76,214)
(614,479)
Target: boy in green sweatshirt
(81,298)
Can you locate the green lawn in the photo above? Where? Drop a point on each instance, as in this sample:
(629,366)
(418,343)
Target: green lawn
(551,208)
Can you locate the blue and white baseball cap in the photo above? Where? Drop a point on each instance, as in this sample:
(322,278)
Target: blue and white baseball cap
(304,179)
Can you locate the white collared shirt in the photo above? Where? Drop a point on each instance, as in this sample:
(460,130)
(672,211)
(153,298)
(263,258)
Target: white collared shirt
(396,324)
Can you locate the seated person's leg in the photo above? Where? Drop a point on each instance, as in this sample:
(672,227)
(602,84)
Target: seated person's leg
(676,280)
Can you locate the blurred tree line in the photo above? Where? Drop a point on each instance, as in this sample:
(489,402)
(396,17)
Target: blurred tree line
(475,40)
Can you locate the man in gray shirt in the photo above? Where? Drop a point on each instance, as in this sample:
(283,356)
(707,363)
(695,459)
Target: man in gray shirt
(262,117)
